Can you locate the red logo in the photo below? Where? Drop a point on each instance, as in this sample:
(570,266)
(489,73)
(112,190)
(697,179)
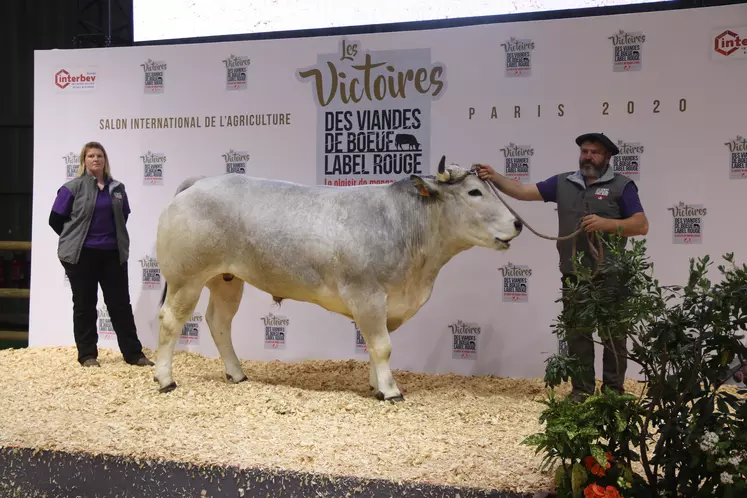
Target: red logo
(82,80)
(728,42)
(62,78)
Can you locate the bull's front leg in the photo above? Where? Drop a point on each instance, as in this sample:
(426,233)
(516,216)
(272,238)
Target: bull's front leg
(369,312)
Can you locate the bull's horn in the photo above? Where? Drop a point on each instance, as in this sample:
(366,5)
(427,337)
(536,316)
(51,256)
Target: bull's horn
(442,175)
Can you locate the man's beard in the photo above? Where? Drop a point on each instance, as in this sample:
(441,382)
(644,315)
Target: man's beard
(591,170)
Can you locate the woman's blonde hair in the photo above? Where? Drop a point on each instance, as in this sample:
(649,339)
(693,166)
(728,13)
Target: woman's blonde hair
(93,145)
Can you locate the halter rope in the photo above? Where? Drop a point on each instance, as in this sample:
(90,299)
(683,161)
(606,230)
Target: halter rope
(596,246)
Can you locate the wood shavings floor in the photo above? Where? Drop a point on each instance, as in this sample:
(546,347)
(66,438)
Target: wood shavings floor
(313,416)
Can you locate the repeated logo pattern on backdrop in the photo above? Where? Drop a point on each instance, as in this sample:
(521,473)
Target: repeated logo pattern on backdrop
(362,112)
(687,220)
(155,76)
(237,71)
(518,57)
(737,158)
(628,161)
(190,334)
(466,338)
(518,160)
(628,50)
(104,326)
(276,331)
(516,283)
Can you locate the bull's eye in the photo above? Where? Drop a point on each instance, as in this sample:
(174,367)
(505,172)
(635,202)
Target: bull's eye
(475,192)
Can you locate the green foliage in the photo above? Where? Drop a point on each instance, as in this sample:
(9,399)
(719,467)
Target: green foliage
(559,369)
(688,343)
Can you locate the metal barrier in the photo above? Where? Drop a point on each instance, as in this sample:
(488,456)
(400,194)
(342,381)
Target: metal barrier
(14,335)
(14,245)
(13,293)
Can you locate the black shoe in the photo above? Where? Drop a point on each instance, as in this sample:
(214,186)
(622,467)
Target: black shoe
(142,362)
(617,390)
(578,396)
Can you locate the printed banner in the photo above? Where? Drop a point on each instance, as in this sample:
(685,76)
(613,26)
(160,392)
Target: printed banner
(373,112)
(360,112)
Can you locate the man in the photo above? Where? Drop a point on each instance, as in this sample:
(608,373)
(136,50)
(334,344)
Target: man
(613,203)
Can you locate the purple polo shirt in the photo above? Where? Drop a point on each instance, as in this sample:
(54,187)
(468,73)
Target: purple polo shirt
(102,233)
(630,203)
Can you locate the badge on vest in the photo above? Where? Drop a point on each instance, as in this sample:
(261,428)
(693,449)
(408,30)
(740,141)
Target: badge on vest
(602,193)
(117,195)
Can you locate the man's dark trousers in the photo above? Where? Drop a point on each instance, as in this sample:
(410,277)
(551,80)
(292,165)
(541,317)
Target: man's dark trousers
(581,346)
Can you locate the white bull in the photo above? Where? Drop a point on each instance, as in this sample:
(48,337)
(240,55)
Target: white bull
(370,253)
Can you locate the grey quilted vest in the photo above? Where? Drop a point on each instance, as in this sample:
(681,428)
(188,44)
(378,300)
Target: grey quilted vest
(603,198)
(85,190)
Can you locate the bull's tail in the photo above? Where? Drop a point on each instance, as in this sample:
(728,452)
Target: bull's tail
(182,187)
(188,183)
(163,295)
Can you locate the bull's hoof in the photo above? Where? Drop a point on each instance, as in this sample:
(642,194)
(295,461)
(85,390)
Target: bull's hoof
(168,388)
(380,396)
(231,379)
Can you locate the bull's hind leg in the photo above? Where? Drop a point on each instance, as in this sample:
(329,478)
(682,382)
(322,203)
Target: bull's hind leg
(369,312)
(225,297)
(178,307)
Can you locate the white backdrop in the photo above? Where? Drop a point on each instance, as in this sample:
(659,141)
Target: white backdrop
(512,95)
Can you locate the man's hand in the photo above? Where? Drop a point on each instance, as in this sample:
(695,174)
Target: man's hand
(594,223)
(484,171)
(517,190)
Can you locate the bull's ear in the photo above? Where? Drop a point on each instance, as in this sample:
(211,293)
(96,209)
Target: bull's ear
(424,187)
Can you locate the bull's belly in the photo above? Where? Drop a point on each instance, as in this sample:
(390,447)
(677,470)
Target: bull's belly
(296,286)
(401,303)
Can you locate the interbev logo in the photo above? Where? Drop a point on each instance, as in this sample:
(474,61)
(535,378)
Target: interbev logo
(729,43)
(75,79)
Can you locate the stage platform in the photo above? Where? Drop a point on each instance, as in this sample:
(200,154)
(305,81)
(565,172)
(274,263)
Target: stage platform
(309,428)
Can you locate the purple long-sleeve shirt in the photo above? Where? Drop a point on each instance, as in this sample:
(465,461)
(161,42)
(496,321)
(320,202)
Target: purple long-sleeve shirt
(102,233)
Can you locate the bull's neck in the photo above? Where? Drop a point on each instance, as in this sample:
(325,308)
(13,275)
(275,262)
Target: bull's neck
(438,246)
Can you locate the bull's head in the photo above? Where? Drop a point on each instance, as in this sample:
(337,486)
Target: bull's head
(473,213)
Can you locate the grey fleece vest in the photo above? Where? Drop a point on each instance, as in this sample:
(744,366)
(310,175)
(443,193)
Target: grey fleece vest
(85,190)
(603,197)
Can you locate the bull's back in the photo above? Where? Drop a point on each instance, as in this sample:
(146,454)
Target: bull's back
(272,233)
(261,207)
(236,200)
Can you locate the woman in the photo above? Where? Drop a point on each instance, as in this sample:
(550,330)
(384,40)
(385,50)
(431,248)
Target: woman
(90,215)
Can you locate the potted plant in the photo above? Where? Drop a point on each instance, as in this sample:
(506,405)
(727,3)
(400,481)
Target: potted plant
(685,433)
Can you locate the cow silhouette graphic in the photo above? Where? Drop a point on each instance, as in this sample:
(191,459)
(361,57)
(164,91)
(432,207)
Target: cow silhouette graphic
(406,139)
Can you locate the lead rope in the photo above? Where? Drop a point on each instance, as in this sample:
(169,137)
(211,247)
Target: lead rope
(596,247)
(597,250)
